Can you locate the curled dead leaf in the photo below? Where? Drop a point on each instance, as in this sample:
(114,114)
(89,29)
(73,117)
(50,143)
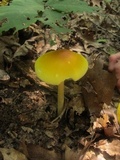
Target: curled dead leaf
(98,87)
(36,152)
(12,154)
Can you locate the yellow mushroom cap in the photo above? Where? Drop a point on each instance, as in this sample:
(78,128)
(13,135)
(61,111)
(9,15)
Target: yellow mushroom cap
(56,66)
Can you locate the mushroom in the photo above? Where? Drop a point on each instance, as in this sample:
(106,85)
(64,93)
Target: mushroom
(118,113)
(54,67)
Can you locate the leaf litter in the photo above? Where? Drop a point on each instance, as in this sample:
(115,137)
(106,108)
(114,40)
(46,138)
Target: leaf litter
(88,128)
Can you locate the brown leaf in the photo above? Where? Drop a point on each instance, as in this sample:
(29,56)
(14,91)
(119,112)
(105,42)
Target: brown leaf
(23,50)
(4,76)
(107,122)
(104,120)
(90,155)
(71,154)
(111,148)
(77,104)
(98,86)
(36,152)
(12,154)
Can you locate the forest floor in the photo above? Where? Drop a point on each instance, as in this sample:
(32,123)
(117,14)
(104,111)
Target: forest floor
(88,128)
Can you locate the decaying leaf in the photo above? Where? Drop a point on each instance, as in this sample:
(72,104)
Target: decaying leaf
(4,76)
(112,148)
(104,120)
(23,50)
(36,152)
(106,125)
(103,150)
(71,154)
(107,122)
(77,105)
(7,45)
(98,87)
(12,154)
(92,156)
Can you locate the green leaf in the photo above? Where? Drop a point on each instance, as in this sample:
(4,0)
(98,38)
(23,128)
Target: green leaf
(20,14)
(108,1)
(111,50)
(70,6)
(102,40)
(55,20)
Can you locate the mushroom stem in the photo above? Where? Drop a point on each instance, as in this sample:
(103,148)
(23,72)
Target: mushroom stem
(60,97)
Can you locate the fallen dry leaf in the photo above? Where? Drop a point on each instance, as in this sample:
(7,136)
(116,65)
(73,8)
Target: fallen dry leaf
(4,76)
(98,87)
(35,152)
(71,154)
(90,155)
(112,148)
(104,120)
(12,154)
(77,104)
